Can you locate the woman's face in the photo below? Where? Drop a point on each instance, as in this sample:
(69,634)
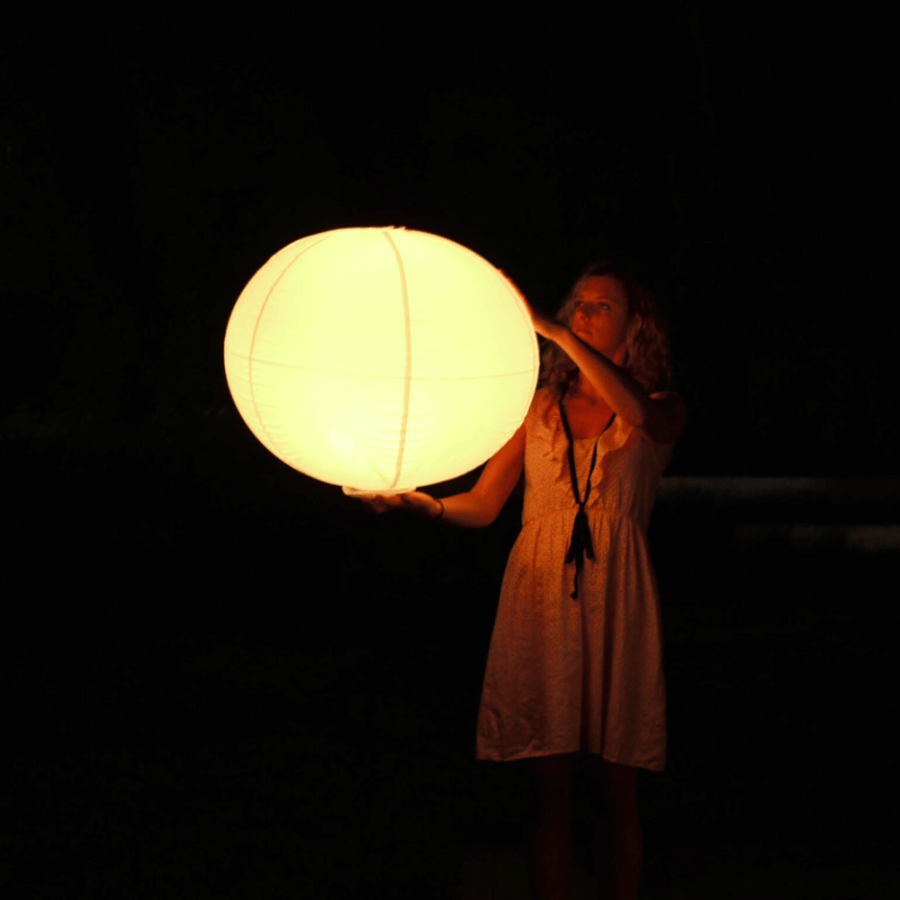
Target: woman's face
(600,318)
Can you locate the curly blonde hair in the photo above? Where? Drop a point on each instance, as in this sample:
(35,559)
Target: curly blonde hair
(647,357)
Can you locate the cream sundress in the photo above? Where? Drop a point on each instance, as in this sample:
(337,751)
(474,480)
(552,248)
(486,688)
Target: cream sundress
(568,673)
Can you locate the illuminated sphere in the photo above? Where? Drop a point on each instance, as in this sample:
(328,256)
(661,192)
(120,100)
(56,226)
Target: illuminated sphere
(381,359)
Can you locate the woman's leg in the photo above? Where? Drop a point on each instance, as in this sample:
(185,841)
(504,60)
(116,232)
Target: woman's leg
(618,841)
(549,834)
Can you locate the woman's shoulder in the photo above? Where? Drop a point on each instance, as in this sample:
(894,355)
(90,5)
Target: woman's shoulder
(664,394)
(539,419)
(670,417)
(543,397)
(672,401)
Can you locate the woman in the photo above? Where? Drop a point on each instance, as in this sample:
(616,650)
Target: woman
(575,662)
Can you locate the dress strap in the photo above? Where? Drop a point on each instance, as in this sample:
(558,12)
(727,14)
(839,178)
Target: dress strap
(581,542)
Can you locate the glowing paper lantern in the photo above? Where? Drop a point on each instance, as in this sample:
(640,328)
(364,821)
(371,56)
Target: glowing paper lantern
(381,359)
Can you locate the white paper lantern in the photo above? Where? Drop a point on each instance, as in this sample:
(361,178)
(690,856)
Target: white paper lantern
(381,359)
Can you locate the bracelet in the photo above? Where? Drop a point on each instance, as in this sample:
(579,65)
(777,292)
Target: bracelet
(441,512)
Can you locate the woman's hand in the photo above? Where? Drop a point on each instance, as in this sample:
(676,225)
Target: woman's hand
(543,324)
(416,502)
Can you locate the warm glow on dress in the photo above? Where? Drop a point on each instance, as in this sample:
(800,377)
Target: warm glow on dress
(381,359)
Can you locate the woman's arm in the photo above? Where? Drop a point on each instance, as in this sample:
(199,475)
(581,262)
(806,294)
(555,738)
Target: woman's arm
(624,395)
(477,508)
(662,418)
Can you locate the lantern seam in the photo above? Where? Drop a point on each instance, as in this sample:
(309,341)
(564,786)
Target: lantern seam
(408,363)
(256,329)
(282,365)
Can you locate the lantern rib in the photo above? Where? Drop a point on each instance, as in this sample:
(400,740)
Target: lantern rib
(407,368)
(343,372)
(259,316)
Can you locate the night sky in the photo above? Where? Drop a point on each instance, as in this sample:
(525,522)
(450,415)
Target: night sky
(217,660)
(148,176)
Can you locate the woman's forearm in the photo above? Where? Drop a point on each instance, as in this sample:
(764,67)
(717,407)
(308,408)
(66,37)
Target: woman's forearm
(464,511)
(624,395)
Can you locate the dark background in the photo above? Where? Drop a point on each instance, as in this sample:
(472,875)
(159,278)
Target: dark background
(224,678)
(729,154)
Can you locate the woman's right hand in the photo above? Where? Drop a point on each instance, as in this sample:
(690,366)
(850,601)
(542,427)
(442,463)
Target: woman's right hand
(416,502)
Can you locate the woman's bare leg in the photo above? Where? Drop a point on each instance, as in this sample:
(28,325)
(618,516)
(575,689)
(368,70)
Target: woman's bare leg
(618,840)
(549,834)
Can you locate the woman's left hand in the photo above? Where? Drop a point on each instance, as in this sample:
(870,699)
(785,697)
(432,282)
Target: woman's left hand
(543,324)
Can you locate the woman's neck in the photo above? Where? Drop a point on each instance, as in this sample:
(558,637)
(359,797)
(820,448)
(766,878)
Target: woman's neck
(586,393)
